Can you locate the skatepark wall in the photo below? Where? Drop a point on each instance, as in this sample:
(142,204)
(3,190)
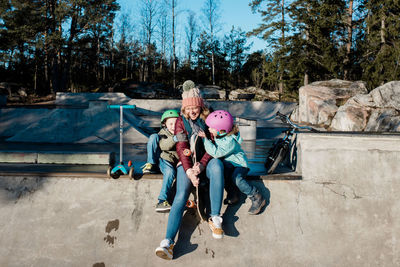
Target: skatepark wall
(249,109)
(84,118)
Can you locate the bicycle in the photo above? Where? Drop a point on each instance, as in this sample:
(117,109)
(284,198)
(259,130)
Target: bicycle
(279,150)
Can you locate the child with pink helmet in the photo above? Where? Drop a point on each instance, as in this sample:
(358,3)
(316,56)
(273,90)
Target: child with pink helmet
(227,147)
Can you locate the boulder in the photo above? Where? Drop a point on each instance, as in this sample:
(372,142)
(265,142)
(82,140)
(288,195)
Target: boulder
(377,111)
(319,101)
(350,118)
(384,120)
(212,92)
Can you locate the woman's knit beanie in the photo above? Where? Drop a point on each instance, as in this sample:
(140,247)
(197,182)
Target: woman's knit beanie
(191,95)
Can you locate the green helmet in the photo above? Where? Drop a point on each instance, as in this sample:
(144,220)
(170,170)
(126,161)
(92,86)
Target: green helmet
(171,113)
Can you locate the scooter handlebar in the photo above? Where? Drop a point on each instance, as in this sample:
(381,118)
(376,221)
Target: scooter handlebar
(123,106)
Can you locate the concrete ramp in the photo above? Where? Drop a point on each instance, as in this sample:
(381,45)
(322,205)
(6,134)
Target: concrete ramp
(13,120)
(95,124)
(105,222)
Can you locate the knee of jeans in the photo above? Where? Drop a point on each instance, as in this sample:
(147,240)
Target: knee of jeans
(215,166)
(180,198)
(169,174)
(153,137)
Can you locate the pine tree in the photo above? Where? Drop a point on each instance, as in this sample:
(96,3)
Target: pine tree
(235,49)
(274,30)
(381,56)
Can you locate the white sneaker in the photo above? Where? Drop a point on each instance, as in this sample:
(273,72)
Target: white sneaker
(215,223)
(165,250)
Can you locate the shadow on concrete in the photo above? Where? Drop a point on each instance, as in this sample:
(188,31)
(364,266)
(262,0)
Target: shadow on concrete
(230,216)
(189,224)
(15,188)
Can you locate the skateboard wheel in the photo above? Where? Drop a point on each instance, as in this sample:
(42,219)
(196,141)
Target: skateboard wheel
(187,152)
(112,175)
(131,173)
(190,204)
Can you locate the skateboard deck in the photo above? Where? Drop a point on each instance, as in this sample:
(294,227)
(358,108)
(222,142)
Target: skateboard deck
(201,197)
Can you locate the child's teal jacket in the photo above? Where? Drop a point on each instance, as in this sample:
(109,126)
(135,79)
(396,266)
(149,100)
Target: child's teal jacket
(228,148)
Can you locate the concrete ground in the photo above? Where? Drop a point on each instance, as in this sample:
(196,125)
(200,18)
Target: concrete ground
(105,222)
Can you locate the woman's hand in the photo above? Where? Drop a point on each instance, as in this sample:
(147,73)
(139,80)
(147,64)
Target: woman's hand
(201,134)
(193,177)
(198,168)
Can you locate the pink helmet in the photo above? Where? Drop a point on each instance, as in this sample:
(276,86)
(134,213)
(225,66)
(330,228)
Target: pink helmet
(220,120)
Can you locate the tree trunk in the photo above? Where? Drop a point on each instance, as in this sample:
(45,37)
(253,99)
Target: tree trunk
(347,60)
(173,47)
(383,29)
(212,48)
(282,44)
(66,81)
(98,59)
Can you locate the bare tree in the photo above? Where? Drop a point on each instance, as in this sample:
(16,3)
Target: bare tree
(148,12)
(163,26)
(191,33)
(211,14)
(173,6)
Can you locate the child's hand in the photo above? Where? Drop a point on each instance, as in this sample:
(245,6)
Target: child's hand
(193,177)
(198,168)
(201,134)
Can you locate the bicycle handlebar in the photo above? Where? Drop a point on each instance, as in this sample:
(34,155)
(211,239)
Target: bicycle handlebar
(285,119)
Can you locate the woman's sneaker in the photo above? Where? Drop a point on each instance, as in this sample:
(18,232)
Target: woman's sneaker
(215,224)
(165,250)
(163,206)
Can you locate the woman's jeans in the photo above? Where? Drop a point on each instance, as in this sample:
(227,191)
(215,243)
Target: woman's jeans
(169,174)
(238,176)
(215,173)
(153,149)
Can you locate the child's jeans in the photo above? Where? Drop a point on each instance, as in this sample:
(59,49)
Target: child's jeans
(238,177)
(153,149)
(215,173)
(169,174)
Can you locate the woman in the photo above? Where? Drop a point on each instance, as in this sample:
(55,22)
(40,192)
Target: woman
(186,128)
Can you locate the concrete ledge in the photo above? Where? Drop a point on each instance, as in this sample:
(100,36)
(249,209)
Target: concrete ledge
(57,157)
(350,157)
(100,171)
(18,157)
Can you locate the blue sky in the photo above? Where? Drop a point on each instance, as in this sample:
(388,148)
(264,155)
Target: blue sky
(232,13)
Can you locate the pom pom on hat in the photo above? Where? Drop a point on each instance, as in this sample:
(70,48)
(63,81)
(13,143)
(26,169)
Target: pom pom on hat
(187,85)
(191,95)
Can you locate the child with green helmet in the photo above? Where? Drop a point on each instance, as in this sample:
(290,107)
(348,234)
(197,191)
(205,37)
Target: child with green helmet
(161,150)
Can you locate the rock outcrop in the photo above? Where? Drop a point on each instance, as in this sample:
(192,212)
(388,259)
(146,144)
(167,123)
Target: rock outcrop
(377,111)
(253,93)
(319,101)
(347,106)
(212,92)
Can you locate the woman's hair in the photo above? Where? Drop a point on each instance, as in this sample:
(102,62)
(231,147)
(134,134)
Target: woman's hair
(203,113)
(235,130)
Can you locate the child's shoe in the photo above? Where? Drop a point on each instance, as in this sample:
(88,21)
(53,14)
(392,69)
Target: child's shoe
(215,223)
(163,206)
(149,168)
(257,203)
(165,250)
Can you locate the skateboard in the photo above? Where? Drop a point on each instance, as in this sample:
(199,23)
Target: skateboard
(202,200)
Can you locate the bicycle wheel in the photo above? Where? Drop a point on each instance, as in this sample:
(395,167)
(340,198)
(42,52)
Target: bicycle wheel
(276,156)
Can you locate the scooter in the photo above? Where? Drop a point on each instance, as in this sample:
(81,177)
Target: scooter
(121,169)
